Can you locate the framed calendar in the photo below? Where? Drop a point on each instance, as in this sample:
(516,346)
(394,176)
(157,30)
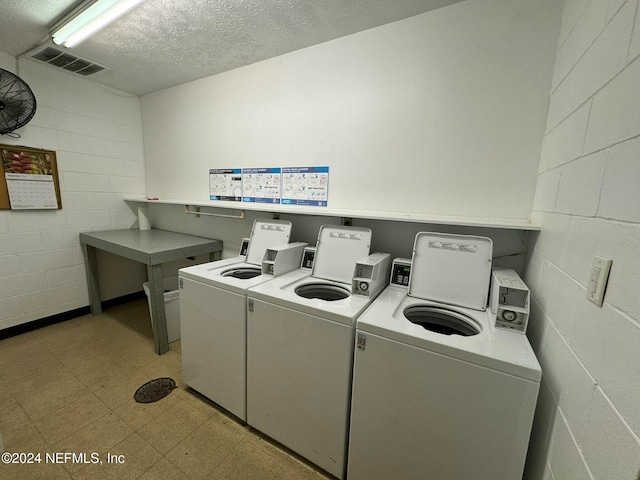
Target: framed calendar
(29,179)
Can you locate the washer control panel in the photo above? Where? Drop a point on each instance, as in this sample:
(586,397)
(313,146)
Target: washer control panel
(400,272)
(308,256)
(371,274)
(282,258)
(509,300)
(244,246)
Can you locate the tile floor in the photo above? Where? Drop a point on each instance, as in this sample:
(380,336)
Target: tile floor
(69,388)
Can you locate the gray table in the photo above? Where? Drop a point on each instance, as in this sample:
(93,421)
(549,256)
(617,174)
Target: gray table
(153,248)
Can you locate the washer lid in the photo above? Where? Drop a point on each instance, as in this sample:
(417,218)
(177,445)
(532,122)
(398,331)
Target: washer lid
(266,234)
(338,250)
(453,269)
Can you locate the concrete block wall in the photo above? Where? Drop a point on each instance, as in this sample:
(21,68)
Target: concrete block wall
(97,135)
(587,198)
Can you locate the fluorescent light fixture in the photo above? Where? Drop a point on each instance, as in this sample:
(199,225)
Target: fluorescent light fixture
(88,19)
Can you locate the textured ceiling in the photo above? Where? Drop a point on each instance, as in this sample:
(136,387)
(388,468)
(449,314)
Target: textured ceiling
(163,43)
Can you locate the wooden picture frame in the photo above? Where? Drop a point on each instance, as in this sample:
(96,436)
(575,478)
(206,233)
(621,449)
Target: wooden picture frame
(27,160)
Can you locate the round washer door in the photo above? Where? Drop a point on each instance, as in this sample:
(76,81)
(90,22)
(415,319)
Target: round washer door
(243,273)
(442,320)
(322,291)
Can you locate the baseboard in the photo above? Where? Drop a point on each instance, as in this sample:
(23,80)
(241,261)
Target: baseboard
(124,299)
(64,316)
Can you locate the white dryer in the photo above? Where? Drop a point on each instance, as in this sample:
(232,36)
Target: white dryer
(300,330)
(438,392)
(213,317)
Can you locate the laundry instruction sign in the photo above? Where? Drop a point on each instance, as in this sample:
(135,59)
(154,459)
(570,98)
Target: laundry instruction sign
(261,185)
(275,185)
(225,184)
(305,186)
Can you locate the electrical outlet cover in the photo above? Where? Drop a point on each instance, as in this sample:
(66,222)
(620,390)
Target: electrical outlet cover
(597,281)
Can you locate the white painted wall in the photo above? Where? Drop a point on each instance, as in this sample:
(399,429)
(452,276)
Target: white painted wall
(588,199)
(97,135)
(442,113)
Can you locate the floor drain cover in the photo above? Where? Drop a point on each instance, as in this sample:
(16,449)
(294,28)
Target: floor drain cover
(154,390)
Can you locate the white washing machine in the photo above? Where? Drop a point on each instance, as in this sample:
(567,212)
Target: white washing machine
(438,392)
(213,317)
(300,330)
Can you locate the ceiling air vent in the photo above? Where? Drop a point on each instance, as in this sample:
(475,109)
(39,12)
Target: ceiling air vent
(61,58)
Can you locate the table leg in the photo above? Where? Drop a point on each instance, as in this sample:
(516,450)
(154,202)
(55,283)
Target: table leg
(156,300)
(91,269)
(213,256)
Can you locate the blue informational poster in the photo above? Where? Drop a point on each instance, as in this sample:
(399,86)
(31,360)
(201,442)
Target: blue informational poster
(225,184)
(261,185)
(305,186)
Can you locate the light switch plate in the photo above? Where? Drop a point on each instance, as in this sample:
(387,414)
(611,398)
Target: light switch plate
(597,281)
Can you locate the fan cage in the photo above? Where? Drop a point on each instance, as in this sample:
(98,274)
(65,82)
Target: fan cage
(17,102)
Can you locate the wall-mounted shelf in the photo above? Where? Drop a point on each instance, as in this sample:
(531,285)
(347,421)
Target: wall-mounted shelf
(505,223)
